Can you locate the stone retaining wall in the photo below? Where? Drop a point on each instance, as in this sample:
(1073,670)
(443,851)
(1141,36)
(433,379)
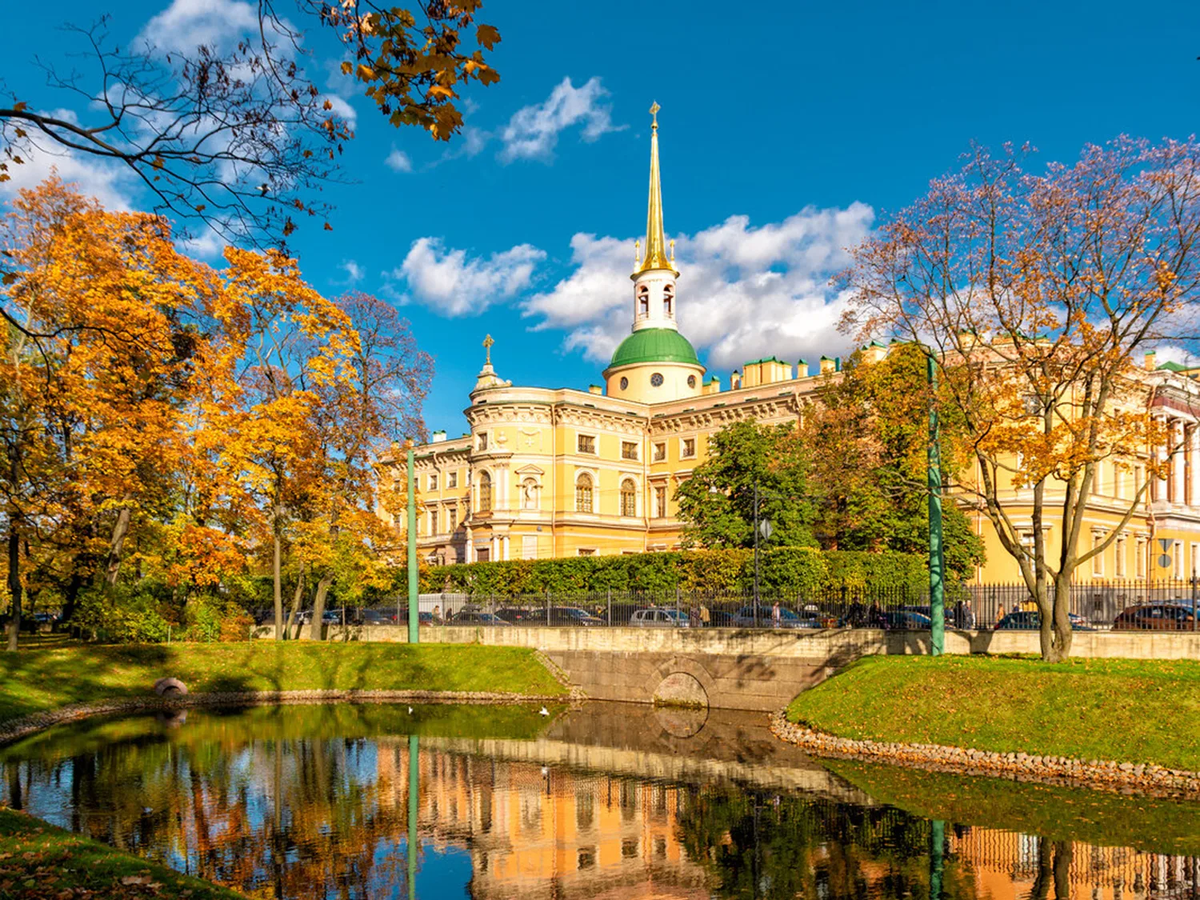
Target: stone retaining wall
(837,643)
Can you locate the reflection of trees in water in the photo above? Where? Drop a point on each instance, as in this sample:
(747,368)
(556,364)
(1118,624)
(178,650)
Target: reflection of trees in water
(779,846)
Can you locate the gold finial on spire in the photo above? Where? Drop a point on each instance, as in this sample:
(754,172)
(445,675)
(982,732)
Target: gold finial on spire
(656,243)
(637,252)
(487,348)
(672,243)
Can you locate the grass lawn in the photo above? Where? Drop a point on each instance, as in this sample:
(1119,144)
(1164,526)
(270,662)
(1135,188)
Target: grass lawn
(1119,709)
(40,679)
(40,861)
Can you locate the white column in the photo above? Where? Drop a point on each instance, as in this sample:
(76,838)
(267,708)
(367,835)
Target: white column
(470,546)
(1160,484)
(1194,459)
(1177,460)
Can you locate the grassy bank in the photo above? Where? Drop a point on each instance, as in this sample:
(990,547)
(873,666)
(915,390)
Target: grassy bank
(41,679)
(39,860)
(1137,711)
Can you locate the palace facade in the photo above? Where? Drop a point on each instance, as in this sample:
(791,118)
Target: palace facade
(554,472)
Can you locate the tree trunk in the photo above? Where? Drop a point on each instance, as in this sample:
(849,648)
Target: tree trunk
(316,631)
(1062,870)
(112,565)
(1061,618)
(14,579)
(276,576)
(296,597)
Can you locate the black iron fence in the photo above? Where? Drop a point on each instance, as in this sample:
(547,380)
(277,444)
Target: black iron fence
(1164,605)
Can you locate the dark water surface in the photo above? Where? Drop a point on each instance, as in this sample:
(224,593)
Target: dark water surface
(604,802)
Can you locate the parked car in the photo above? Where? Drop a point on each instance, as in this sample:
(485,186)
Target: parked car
(477,617)
(423,618)
(1029,620)
(744,618)
(523,615)
(659,618)
(572,615)
(379,617)
(906,620)
(1156,617)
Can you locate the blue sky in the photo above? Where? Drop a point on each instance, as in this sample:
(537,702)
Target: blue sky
(788,130)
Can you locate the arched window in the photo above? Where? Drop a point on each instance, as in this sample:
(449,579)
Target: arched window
(529,493)
(485,492)
(628,498)
(643,298)
(583,493)
(668,300)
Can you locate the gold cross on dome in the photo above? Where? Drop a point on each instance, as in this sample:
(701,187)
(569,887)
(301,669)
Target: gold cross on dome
(654,108)
(487,346)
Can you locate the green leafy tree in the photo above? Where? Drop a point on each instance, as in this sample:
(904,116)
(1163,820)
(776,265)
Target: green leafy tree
(867,440)
(717,502)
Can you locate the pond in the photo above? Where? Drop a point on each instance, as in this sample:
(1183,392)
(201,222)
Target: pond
(602,801)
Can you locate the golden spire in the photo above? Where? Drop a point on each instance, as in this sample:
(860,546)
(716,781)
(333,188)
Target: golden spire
(656,243)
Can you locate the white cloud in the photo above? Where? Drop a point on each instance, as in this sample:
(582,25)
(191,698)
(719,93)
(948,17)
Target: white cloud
(744,292)
(108,182)
(187,24)
(354,272)
(398,161)
(450,283)
(532,132)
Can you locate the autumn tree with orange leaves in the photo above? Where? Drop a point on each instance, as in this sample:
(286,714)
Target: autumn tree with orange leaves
(161,421)
(1037,293)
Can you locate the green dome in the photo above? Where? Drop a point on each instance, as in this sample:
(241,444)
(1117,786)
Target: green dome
(651,345)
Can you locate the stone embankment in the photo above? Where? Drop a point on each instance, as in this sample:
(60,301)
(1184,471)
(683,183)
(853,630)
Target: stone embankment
(15,729)
(1121,777)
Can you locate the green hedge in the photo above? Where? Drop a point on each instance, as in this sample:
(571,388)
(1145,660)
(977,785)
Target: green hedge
(787,570)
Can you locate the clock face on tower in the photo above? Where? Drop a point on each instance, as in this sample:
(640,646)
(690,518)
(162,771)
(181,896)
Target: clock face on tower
(656,379)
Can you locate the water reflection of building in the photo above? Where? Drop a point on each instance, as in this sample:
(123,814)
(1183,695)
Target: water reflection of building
(1007,866)
(542,832)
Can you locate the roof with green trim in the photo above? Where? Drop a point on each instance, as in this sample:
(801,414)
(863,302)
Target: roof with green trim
(1172,366)
(650,345)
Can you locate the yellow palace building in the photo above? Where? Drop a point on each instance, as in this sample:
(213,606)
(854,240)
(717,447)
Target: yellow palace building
(555,472)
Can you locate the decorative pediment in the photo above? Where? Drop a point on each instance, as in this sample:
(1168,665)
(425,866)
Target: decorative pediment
(530,470)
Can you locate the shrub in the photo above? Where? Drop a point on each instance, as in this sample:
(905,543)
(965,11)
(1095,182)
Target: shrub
(125,614)
(783,570)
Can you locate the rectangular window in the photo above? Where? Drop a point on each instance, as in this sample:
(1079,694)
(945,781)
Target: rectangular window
(1119,560)
(587,552)
(433,521)
(1098,559)
(433,480)
(452,518)
(629,450)
(687,448)
(1140,562)
(660,451)
(586,443)
(482,441)
(660,502)
(451,479)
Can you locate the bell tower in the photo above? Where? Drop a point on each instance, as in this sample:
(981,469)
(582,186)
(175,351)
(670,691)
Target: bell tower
(654,277)
(655,364)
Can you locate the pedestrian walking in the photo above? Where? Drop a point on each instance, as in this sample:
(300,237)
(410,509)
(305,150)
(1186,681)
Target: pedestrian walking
(776,615)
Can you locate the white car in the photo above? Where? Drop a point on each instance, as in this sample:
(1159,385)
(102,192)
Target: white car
(659,618)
